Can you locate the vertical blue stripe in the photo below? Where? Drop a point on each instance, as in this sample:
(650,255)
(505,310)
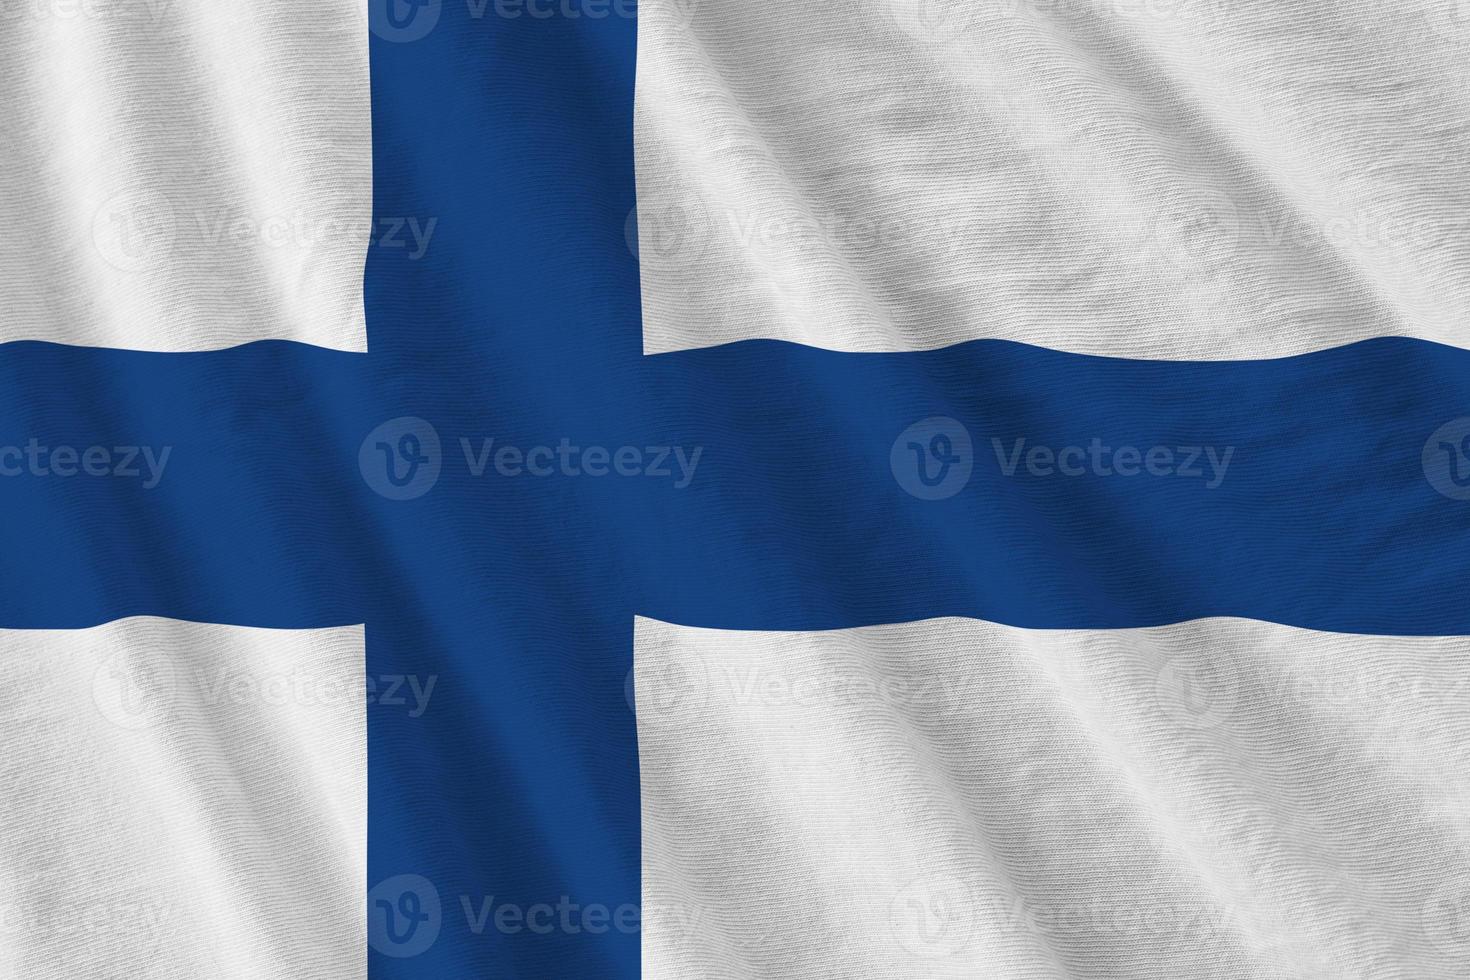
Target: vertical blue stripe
(521,322)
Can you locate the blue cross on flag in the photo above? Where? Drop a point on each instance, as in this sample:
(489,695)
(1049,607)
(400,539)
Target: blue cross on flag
(897,489)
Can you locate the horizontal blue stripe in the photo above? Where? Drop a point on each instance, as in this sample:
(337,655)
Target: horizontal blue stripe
(1324,517)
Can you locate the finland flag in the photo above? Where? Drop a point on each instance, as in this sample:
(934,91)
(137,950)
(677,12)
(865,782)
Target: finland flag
(893,489)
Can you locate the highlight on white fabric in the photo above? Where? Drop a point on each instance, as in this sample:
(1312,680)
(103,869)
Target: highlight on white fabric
(181,800)
(955,798)
(185,176)
(1172,179)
